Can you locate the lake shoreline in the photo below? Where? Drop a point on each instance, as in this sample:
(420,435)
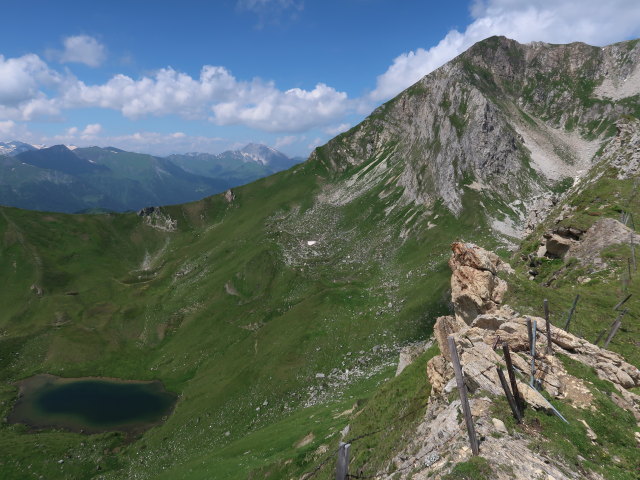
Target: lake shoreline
(37,390)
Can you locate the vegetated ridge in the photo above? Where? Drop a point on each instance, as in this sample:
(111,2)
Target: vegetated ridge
(277,310)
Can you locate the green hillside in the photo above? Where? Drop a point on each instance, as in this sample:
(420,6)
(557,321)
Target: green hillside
(277,314)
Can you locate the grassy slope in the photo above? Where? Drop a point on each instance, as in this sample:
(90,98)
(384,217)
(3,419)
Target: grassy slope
(607,197)
(234,310)
(225,354)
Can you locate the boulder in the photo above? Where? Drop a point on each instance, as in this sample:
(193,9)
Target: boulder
(475,287)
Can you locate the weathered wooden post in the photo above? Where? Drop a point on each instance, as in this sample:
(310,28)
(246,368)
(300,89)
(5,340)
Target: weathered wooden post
(622,302)
(633,250)
(462,390)
(507,392)
(615,327)
(573,309)
(533,353)
(342,465)
(512,376)
(548,325)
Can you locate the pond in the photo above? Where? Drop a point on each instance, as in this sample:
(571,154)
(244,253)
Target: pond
(91,405)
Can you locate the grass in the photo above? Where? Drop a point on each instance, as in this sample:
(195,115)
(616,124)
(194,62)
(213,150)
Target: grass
(613,454)
(265,338)
(476,468)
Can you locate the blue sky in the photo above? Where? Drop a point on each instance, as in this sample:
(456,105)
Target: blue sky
(166,77)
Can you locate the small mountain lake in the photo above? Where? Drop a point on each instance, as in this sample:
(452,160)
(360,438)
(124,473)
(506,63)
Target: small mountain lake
(91,405)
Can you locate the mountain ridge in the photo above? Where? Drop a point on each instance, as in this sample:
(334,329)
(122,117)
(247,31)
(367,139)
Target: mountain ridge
(94,178)
(277,311)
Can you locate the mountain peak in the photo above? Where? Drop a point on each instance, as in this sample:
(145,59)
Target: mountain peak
(15,147)
(263,154)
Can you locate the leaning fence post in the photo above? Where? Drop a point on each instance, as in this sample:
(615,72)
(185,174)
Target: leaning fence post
(614,329)
(462,389)
(512,376)
(622,302)
(533,353)
(342,465)
(548,325)
(507,392)
(573,309)
(633,251)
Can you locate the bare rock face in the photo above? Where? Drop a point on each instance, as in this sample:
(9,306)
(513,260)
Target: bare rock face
(409,353)
(623,152)
(475,286)
(604,233)
(229,196)
(557,246)
(444,327)
(157,218)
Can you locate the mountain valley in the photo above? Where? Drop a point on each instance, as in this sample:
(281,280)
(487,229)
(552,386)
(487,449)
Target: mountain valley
(277,311)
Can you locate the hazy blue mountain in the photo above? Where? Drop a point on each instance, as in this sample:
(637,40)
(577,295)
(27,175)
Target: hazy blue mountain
(97,179)
(15,147)
(238,166)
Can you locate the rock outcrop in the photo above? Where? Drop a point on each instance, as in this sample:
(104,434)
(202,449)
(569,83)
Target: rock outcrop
(441,439)
(475,285)
(586,246)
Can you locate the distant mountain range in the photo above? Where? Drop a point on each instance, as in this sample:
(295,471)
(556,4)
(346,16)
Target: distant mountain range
(69,179)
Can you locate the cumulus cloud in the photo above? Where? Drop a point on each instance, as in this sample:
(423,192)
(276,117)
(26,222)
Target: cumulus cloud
(7,127)
(269,109)
(591,21)
(287,140)
(216,95)
(336,129)
(31,89)
(83,49)
(166,92)
(92,130)
(24,80)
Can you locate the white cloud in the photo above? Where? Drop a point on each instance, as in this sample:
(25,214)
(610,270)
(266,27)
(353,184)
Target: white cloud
(21,78)
(256,104)
(166,92)
(591,21)
(336,129)
(265,108)
(92,130)
(7,127)
(287,140)
(30,90)
(21,89)
(316,142)
(83,49)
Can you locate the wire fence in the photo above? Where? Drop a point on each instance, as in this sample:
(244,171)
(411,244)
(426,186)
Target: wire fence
(387,428)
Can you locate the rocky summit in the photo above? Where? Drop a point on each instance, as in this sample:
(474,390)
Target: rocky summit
(313,308)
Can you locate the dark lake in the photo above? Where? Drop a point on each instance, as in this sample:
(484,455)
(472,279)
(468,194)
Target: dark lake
(91,405)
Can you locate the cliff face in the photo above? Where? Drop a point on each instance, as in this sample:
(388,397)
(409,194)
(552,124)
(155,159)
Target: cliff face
(507,121)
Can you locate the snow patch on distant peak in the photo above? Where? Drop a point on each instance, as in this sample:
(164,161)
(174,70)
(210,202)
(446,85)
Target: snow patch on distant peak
(15,147)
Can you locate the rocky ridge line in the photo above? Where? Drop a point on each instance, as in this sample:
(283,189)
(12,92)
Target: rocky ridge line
(480,323)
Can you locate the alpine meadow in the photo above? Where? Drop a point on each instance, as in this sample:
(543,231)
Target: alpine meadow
(317,306)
